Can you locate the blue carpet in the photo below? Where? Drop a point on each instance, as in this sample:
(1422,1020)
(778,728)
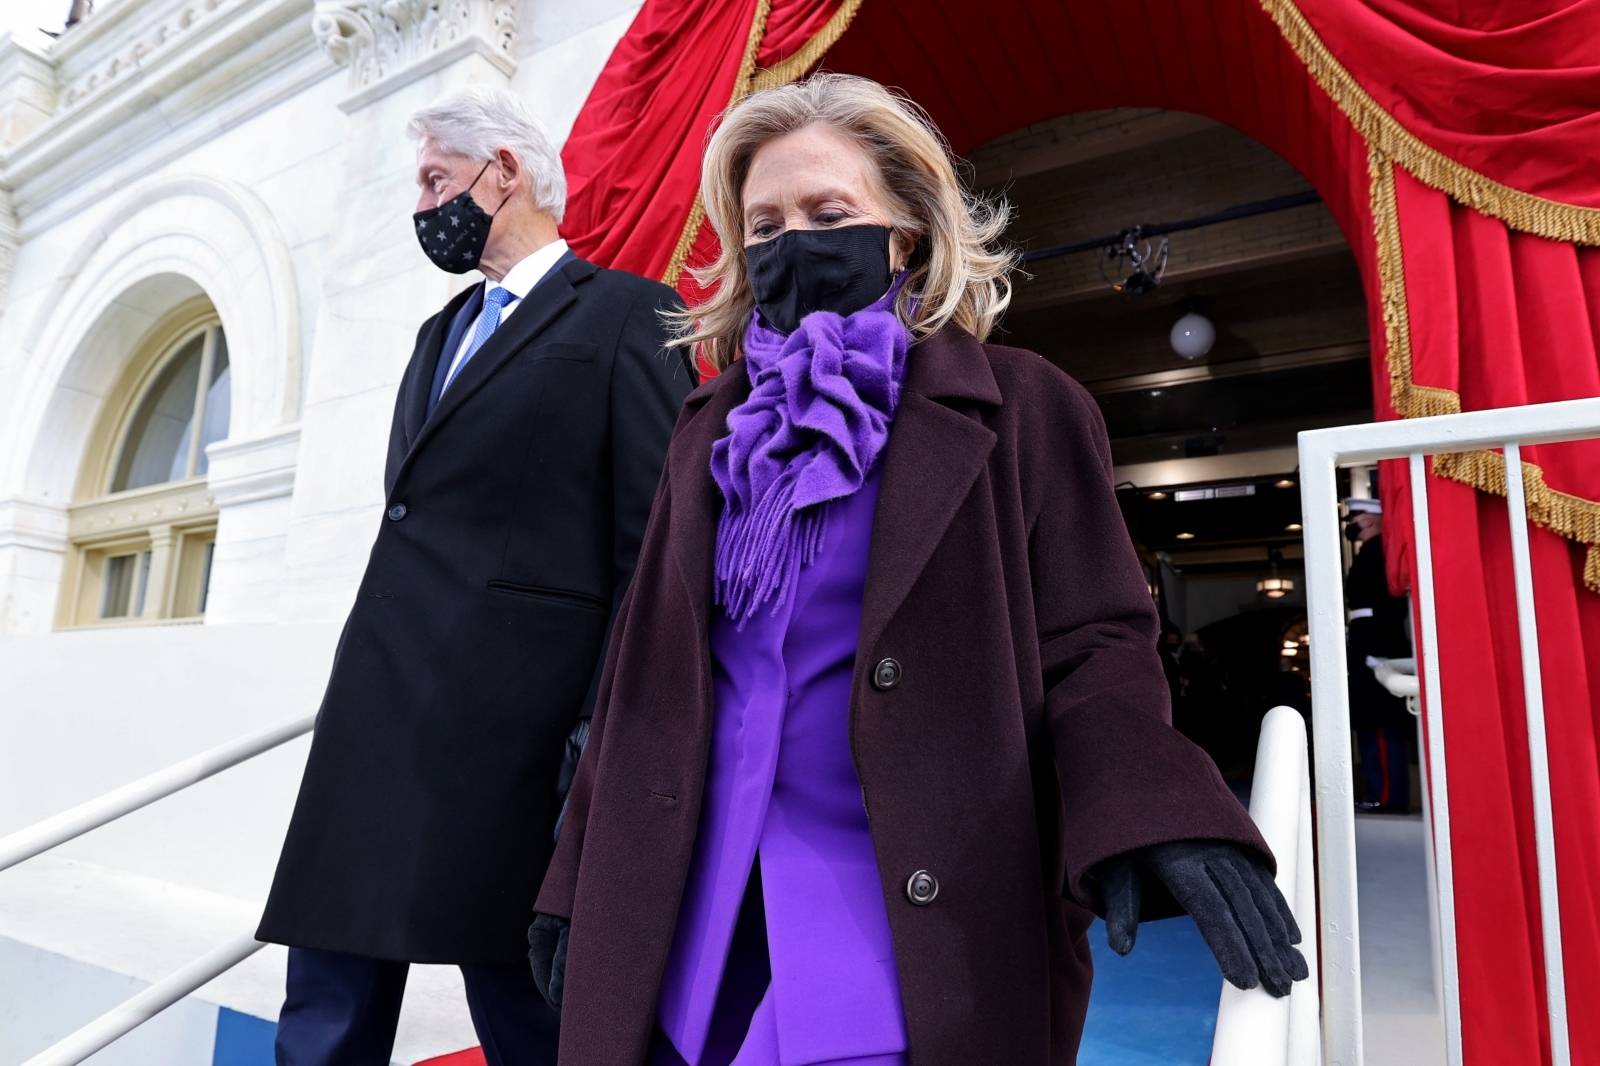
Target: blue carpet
(1157,1006)
(242,1040)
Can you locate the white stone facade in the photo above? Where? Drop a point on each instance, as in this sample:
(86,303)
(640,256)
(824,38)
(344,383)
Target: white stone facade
(251,152)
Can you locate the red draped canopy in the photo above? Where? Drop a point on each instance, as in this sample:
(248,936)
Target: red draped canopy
(1454,141)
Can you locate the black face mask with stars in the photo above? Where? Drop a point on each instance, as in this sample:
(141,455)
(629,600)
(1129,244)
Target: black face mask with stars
(454,234)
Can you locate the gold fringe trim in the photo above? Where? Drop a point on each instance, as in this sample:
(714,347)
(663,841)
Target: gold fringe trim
(753,80)
(680,253)
(1519,210)
(741,89)
(1567,515)
(1409,399)
(1570,516)
(810,54)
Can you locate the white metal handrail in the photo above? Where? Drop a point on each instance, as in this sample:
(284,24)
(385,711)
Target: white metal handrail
(1321,453)
(132,1013)
(102,810)
(1253,1027)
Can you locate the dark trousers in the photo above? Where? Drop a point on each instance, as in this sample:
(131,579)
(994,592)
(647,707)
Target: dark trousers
(1386,765)
(341,1010)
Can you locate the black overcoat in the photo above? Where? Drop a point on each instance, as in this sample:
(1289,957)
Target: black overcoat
(1021,737)
(1380,630)
(511,525)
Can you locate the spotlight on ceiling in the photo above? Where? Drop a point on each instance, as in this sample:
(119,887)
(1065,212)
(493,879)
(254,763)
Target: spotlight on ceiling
(1294,527)
(1159,495)
(1193,335)
(1185,536)
(1283,483)
(1133,264)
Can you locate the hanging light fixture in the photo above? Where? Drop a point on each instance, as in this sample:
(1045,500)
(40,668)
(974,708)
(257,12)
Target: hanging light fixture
(1192,335)
(1272,586)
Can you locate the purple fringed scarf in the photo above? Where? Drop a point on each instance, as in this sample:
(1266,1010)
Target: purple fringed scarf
(818,414)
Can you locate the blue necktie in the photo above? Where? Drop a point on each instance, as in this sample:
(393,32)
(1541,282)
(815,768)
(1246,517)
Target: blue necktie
(493,302)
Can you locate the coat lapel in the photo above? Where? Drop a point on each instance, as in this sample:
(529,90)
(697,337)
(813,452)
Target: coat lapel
(935,453)
(418,382)
(696,500)
(553,295)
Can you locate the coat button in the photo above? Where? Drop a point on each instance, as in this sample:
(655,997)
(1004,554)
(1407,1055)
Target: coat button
(922,888)
(397,512)
(886,675)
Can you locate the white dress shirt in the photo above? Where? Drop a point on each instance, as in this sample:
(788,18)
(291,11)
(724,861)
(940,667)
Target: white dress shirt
(519,281)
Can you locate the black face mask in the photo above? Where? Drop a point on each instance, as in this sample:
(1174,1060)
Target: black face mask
(805,270)
(1352,533)
(454,234)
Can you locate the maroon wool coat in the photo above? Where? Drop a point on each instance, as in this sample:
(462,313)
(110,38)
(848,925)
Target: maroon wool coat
(1027,738)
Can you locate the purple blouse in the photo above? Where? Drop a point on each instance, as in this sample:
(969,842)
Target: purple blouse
(782,783)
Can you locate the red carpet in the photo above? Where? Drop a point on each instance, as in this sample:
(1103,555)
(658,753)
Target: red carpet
(470,1057)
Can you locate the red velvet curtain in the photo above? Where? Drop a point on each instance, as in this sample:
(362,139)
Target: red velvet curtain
(1483,117)
(1508,88)
(633,157)
(1503,318)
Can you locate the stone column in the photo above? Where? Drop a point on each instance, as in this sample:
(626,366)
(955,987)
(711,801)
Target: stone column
(33,547)
(27,100)
(252,482)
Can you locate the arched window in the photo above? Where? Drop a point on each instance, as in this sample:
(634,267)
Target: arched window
(185,409)
(143,528)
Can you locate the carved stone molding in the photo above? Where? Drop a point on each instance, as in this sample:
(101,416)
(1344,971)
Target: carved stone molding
(142,44)
(380,38)
(8,244)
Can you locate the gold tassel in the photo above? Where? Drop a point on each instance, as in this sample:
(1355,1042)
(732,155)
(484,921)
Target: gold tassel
(1517,209)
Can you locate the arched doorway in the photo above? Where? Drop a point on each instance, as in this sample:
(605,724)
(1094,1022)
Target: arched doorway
(1203,447)
(984,70)
(1203,439)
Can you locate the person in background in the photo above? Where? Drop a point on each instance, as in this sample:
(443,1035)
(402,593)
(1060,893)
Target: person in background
(834,812)
(528,435)
(1385,730)
(1171,648)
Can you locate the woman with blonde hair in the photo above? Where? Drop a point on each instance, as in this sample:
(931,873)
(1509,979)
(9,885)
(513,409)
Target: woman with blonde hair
(882,719)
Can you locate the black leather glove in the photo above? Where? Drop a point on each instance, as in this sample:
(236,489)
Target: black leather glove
(1230,894)
(547,955)
(571,755)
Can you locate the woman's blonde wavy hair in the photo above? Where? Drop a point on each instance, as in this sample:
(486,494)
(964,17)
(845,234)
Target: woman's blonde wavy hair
(958,269)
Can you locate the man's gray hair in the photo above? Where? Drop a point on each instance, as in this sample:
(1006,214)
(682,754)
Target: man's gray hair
(478,121)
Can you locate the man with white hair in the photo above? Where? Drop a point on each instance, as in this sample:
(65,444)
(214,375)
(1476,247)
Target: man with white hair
(528,436)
